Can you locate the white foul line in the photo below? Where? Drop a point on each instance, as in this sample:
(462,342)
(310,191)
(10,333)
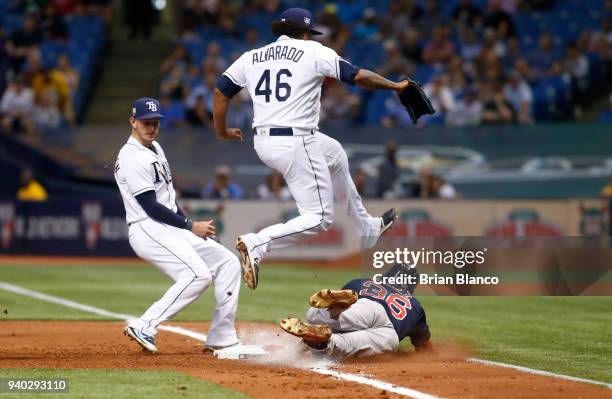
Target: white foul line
(92,309)
(538,372)
(411,393)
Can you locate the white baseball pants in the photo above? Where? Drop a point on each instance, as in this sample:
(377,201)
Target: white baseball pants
(315,168)
(193,263)
(363,328)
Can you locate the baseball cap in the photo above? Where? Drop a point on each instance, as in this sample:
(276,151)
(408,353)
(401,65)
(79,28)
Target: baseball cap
(146,108)
(300,17)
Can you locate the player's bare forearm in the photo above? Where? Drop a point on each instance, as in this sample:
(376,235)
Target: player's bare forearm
(373,81)
(220,108)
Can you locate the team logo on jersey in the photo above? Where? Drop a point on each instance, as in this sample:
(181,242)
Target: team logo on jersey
(152,106)
(162,171)
(7,224)
(91,214)
(523,222)
(418,223)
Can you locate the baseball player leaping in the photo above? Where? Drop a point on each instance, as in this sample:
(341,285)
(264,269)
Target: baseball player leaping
(160,233)
(284,81)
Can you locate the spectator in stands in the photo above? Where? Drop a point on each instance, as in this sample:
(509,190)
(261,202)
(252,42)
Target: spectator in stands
(512,53)
(441,96)
(47,115)
(524,69)
(458,78)
(173,85)
(470,46)
(179,57)
(52,24)
(425,187)
(519,95)
(22,42)
(140,16)
(222,187)
(467,112)
(431,18)
(395,64)
(467,15)
(440,188)
(577,66)
(496,109)
(204,90)
(274,187)
(440,48)
(51,90)
(214,57)
(30,189)
(198,115)
(544,58)
(69,74)
(174,112)
(411,46)
(605,116)
(499,19)
(388,171)
(338,105)
(17,107)
(334,33)
(367,28)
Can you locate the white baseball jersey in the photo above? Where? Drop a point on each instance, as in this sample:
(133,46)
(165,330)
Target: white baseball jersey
(284,81)
(138,169)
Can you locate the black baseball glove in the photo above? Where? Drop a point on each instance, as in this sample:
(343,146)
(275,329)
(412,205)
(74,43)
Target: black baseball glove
(415,101)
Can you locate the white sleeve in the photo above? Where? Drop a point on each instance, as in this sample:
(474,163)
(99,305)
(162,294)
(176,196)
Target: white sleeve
(139,175)
(236,71)
(327,62)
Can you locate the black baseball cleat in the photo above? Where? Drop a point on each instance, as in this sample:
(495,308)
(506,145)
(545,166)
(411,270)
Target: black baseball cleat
(388,218)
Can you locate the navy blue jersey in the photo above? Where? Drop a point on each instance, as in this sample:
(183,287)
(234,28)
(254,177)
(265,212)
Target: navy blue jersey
(404,311)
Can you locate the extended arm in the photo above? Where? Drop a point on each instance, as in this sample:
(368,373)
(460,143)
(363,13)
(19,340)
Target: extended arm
(370,80)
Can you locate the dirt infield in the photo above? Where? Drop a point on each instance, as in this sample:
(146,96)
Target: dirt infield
(46,344)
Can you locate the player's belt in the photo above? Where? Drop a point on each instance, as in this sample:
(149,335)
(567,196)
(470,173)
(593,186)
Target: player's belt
(282,131)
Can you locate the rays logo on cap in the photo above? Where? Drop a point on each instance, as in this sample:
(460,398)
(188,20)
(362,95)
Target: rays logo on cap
(307,20)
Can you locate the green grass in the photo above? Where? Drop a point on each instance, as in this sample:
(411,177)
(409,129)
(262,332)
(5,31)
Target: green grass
(94,384)
(569,335)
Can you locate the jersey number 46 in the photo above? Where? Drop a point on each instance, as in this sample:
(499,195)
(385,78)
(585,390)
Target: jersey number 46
(282,90)
(398,304)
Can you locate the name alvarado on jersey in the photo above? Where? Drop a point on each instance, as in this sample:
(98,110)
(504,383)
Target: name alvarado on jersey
(278,52)
(284,81)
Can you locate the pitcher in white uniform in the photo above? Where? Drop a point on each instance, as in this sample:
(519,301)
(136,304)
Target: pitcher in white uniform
(284,81)
(160,233)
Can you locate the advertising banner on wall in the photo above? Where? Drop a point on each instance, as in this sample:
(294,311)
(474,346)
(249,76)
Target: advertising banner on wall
(98,228)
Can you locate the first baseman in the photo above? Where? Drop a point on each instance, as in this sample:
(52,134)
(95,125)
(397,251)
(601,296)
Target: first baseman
(363,318)
(160,233)
(284,81)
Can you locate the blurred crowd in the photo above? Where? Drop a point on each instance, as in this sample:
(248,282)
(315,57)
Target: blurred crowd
(389,182)
(38,92)
(480,61)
